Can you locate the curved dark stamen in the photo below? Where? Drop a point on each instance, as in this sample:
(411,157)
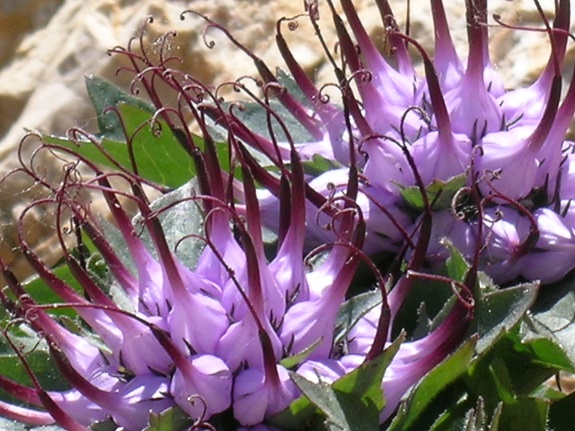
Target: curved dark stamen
(295,108)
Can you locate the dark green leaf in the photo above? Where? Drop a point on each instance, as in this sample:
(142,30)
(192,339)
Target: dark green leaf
(291,86)
(432,384)
(499,311)
(456,264)
(365,381)
(183,219)
(105,95)
(525,414)
(319,165)
(474,419)
(440,193)
(322,396)
(353,310)
(552,318)
(172,419)
(502,381)
(42,294)
(158,155)
(106,425)
(293,360)
(363,384)
(343,411)
(256,119)
(561,414)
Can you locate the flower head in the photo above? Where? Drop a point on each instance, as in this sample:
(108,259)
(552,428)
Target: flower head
(410,162)
(399,127)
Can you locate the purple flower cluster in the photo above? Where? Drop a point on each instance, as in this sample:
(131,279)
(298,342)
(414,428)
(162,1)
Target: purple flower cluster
(420,159)
(214,338)
(497,157)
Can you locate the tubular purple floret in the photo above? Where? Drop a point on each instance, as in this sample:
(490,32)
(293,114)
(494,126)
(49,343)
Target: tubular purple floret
(312,322)
(386,212)
(289,102)
(528,243)
(96,319)
(552,147)
(436,95)
(138,251)
(399,48)
(55,411)
(369,95)
(111,400)
(476,17)
(254,300)
(239,131)
(537,139)
(404,284)
(325,111)
(206,161)
(398,84)
(446,61)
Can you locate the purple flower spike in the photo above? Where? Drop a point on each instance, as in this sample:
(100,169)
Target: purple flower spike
(207,390)
(409,166)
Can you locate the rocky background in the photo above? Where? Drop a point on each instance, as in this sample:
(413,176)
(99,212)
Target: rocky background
(47,46)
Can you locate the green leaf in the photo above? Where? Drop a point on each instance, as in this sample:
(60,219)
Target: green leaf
(440,193)
(552,318)
(549,353)
(343,411)
(172,419)
(322,396)
(158,155)
(319,165)
(502,380)
(37,355)
(525,414)
(105,95)
(353,310)
(255,117)
(432,384)
(460,417)
(561,414)
(356,396)
(42,294)
(365,381)
(105,425)
(183,219)
(499,311)
(456,264)
(285,79)
(293,360)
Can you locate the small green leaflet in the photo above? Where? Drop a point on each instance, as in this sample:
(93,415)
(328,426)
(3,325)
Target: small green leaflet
(440,193)
(172,419)
(104,95)
(351,403)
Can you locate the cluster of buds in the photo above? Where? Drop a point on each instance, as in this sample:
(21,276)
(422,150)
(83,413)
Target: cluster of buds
(215,337)
(220,337)
(495,162)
